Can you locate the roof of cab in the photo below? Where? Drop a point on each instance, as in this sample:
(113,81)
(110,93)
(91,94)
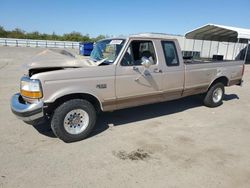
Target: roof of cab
(146,35)
(154,35)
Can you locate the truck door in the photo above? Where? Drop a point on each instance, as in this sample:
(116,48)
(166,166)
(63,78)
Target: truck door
(135,84)
(174,70)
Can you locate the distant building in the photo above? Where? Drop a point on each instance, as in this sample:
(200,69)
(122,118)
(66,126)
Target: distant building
(211,39)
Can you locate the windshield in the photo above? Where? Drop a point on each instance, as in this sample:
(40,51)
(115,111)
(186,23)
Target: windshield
(107,50)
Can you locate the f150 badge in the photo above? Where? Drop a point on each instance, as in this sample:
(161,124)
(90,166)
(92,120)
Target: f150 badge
(101,86)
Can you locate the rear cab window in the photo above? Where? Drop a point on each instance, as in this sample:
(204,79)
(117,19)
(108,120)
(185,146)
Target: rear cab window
(170,53)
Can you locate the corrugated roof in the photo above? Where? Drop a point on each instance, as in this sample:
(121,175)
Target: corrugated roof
(219,33)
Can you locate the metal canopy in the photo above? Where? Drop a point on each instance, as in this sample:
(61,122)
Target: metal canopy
(220,33)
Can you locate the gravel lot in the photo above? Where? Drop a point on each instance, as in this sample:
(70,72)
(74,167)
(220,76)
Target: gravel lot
(174,144)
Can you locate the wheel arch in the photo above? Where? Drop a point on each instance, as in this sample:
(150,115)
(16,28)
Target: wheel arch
(221,79)
(89,97)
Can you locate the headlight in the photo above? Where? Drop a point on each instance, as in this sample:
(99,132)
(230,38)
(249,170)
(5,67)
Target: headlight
(30,88)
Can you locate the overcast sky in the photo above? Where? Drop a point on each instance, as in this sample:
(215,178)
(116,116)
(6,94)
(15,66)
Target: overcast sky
(119,17)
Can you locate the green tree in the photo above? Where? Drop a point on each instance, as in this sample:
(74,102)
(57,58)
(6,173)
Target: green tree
(76,36)
(16,33)
(99,37)
(73,36)
(33,35)
(54,36)
(3,33)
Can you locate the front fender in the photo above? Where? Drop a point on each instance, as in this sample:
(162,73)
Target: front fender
(70,90)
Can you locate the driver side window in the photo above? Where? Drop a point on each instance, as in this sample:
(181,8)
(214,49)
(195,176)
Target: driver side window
(136,51)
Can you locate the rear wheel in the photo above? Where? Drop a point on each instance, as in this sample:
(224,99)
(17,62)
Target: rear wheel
(73,120)
(214,96)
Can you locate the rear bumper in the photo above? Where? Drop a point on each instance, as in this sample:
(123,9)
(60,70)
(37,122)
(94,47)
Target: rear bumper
(26,111)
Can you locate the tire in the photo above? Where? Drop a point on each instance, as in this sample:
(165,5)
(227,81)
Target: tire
(73,120)
(211,98)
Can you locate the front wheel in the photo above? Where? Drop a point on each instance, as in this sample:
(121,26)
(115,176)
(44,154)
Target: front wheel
(215,95)
(73,120)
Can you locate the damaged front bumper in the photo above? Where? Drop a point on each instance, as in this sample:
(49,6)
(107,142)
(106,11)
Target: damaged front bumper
(26,111)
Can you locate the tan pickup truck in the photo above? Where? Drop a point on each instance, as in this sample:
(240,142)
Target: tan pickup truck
(120,73)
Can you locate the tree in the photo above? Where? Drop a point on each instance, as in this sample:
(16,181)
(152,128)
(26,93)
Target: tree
(76,36)
(16,33)
(73,36)
(33,35)
(3,33)
(99,37)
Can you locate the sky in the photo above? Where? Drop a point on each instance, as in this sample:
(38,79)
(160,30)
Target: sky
(121,17)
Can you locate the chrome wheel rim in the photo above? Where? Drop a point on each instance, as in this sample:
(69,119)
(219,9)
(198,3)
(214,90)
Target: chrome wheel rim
(217,95)
(76,121)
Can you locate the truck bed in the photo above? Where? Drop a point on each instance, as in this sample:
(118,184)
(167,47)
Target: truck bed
(200,74)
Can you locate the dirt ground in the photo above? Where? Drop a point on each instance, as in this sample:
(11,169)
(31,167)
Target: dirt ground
(174,144)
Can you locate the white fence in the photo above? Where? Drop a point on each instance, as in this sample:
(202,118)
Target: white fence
(38,43)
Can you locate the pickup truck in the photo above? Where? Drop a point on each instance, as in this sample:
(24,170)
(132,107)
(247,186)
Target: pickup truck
(140,69)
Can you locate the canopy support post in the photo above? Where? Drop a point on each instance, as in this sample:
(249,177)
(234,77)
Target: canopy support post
(217,53)
(210,49)
(184,47)
(233,52)
(193,49)
(233,58)
(227,50)
(245,59)
(202,45)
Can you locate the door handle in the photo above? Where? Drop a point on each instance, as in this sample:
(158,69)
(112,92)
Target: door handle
(156,70)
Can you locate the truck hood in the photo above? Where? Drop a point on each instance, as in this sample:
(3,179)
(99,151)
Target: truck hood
(58,59)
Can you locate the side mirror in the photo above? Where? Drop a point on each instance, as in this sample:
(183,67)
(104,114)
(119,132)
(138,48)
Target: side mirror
(146,62)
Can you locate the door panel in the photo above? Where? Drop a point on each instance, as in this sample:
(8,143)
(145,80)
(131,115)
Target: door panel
(173,81)
(173,84)
(135,84)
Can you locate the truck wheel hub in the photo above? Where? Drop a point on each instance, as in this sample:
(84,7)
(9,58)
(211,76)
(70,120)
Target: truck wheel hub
(76,121)
(217,95)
